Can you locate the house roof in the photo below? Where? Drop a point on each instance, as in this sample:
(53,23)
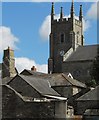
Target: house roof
(30,99)
(57,79)
(61,79)
(73,98)
(91,95)
(74,82)
(8,88)
(41,85)
(31,72)
(88,52)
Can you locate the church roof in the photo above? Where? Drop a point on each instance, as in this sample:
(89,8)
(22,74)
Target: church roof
(88,52)
(91,95)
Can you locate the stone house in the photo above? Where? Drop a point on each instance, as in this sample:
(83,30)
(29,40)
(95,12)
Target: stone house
(31,86)
(60,82)
(31,98)
(87,103)
(17,106)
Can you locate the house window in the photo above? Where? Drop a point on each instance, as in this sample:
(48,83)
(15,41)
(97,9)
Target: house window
(62,38)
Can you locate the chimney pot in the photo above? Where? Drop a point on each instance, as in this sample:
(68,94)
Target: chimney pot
(33,68)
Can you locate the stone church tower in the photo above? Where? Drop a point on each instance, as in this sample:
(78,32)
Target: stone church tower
(8,65)
(66,35)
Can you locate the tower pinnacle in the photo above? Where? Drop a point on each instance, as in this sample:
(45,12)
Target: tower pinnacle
(80,13)
(61,13)
(72,9)
(52,12)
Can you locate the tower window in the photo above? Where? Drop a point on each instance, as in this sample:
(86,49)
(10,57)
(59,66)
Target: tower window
(62,38)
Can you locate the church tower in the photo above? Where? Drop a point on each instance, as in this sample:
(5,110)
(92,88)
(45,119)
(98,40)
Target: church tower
(8,65)
(66,35)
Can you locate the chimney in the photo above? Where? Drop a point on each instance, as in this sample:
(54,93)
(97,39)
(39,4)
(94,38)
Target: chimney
(33,69)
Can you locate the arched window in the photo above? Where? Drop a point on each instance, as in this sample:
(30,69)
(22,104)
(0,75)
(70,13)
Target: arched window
(62,38)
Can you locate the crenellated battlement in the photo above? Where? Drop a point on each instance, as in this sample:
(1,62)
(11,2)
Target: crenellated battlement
(67,21)
(64,20)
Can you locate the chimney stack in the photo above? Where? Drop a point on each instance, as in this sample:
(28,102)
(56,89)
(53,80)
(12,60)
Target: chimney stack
(33,69)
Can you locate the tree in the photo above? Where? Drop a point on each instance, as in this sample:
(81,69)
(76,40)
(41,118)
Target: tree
(95,68)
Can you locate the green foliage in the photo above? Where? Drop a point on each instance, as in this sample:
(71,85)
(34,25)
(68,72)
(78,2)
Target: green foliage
(95,69)
(92,83)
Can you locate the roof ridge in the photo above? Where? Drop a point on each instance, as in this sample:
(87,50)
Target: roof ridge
(97,87)
(19,95)
(66,78)
(73,80)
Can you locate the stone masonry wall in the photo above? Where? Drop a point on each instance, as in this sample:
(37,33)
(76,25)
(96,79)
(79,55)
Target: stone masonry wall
(24,88)
(80,70)
(14,107)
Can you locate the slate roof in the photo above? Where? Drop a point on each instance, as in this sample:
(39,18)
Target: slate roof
(91,95)
(61,79)
(74,82)
(29,99)
(7,88)
(31,72)
(42,86)
(73,98)
(88,52)
(57,79)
